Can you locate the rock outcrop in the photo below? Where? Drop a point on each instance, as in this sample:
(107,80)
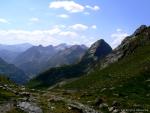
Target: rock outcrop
(29,107)
(96,52)
(139,38)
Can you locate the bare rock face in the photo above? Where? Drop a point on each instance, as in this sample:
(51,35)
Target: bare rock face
(139,30)
(29,107)
(140,37)
(96,52)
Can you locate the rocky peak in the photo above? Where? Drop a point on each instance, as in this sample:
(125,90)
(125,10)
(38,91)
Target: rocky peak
(97,51)
(139,30)
(140,37)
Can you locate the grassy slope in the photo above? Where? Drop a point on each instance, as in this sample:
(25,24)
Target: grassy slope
(125,81)
(4,94)
(48,78)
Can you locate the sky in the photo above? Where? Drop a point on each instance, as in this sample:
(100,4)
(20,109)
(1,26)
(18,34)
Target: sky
(53,22)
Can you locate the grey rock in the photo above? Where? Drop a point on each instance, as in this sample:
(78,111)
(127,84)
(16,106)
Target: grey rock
(5,107)
(99,101)
(111,109)
(128,45)
(82,108)
(96,52)
(29,107)
(139,30)
(104,105)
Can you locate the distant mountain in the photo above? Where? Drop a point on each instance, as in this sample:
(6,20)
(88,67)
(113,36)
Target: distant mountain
(67,56)
(38,58)
(33,59)
(12,72)
(55,75)
(10,52)
(62,46)
(16,48)
(8,56)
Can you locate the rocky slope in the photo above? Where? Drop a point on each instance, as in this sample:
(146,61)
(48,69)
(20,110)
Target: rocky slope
(129,44)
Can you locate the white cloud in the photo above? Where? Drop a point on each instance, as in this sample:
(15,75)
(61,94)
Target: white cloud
(70,6)
(94,8)
(56,35)
(4,21)
(68,34)
(45,37)
(118,37)
(94,27)
(63,16)
(79,27)
(36,37)
(34,19)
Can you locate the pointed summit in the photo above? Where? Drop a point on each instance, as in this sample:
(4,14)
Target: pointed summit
(140,37)
(97,51)
(139,30)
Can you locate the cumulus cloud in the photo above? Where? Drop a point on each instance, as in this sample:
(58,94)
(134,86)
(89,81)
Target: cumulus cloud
(68,34)
(4,21)
(94,8)
(117,37)
(35,37)
(56,35)
(52,36)
(70,6)
(63,16)
(79,27)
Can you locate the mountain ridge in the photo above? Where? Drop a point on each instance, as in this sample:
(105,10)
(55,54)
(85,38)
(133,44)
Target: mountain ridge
(39,58)
(54,75)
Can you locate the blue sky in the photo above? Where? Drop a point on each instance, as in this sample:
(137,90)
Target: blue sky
(74,22)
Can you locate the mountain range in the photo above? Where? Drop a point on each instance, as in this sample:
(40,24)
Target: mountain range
(10,52)
(38,58)
(101,81)
(118,81)
(32,60)
(54,75)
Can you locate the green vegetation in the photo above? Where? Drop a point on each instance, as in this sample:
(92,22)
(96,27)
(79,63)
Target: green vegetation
(126,81)
(16,110)
(48,78)
(6,95)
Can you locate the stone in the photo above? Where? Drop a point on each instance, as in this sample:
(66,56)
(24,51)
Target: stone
(104,105)
(139,30)
(98,101)
(115,111)
(29,107)
(115,103)
(111,109)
